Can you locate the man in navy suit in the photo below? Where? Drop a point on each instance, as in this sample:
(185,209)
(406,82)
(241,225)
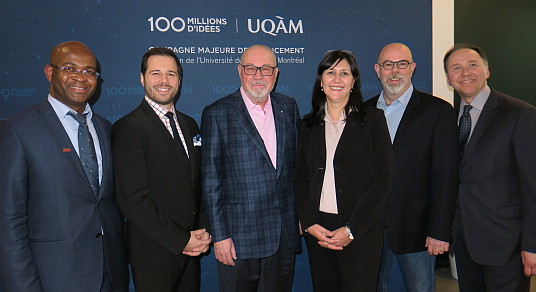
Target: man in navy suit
(423,198)
(61,229)
(249,140)
(495,222)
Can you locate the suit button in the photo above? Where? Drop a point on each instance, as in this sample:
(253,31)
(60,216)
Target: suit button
(99,235)
(193,212)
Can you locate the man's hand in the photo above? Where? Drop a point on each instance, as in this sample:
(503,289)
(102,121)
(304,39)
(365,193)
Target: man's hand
(225,251)
(198,243)
(435,246)
(529,262)
(324,237)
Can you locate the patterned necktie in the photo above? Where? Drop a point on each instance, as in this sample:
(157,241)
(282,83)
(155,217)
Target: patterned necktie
(176,136)
(464,129)
(86,151)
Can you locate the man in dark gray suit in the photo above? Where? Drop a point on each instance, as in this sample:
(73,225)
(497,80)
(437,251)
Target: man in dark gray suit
(60,225)
(249,140)
(495,222)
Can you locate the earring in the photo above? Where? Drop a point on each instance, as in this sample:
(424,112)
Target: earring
(351,90)
(321,88)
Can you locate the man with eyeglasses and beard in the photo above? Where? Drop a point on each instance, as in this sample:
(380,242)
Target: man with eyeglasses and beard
(249,140)
(423,198)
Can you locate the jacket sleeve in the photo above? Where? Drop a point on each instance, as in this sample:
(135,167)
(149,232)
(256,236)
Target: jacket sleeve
(524,145)
(303,180)
(211,168)
(18,271)
(443,174)
(381,180)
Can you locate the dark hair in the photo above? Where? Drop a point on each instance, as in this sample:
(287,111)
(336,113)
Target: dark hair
(160,52)
(355,102)
(458,47)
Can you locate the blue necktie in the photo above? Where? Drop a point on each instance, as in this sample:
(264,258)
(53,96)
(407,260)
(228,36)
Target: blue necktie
(464,129)
(86,151)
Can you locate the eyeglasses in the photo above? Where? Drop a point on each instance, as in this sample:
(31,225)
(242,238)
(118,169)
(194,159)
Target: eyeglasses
(389,65)
(72,71)
(252,70)
(344,51)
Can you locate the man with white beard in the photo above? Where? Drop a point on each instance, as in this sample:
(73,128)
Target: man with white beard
(421,207)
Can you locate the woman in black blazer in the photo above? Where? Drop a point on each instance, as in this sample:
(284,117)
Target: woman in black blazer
(343,179)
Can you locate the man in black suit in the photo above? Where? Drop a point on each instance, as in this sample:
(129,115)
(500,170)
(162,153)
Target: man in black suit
(156,161)
(495,222)
(423,198)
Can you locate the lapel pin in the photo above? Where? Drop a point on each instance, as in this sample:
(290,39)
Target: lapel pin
(66,150)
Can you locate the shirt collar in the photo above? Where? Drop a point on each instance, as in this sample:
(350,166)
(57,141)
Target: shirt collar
(61,109)
(158,109)
(250,105)
(480,100)
(404,98)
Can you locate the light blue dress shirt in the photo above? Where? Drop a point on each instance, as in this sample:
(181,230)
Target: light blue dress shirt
(394,112)
(71,127)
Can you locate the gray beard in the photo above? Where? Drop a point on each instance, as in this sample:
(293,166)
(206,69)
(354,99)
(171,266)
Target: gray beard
(395,89)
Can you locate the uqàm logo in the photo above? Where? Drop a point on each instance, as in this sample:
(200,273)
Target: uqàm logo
(275,27)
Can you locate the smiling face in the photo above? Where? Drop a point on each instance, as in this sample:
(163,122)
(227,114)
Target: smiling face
(467,73)
(338,82)
(395,81)
(257,86)
(73,90)
(161,80)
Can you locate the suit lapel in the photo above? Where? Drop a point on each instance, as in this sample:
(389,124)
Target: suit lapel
(104,142)
(51,123)
(162,131)
(489,110)
(410,112)
(281,123)
(243,117)
(192,152)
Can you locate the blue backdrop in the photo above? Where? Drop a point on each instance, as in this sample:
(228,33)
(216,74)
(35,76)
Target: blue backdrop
(208,36)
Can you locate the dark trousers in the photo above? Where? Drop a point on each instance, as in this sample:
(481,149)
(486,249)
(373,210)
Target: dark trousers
(355,268)
(476,277)
(270,274)
(180,274)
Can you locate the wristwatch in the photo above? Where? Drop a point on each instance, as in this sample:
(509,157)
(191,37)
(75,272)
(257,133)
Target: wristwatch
(349,231)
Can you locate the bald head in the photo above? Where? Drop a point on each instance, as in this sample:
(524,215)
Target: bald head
(395,48)
(70,47)
(259,50)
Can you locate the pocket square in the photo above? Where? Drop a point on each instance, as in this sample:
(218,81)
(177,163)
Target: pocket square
(197,140)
